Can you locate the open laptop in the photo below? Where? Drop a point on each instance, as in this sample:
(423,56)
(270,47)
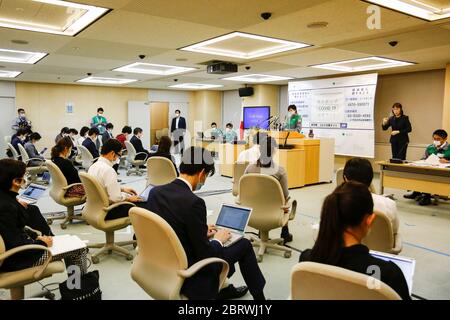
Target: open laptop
(146,192)
(46,177)
(407,265)
(32,193)
(235,219)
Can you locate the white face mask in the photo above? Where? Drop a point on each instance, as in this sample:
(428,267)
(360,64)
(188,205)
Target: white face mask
(228,129)
(177,115)
(292,112)
(436,143)
(22,115)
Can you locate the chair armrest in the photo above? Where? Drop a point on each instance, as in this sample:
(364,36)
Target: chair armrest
(118,204)
(37,159)
(146,155)
(196,267)
(398,244)
(13,251)
(35,231)
(71,185)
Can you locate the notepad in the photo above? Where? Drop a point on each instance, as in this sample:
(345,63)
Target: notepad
(66,243)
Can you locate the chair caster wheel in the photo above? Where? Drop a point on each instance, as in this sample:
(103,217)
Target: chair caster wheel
(49,222)
(259,258)
(130,257)
(50,296)
(134,245)
(128,174)
(109,251)
(95,260)
(287,254)
(64,226)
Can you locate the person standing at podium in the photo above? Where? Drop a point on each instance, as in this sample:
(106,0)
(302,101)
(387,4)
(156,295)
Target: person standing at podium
(400,128)
(295,120)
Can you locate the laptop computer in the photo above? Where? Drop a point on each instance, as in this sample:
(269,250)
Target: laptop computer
(235,219)
(146,192)
(32,193)
(407,265)
(46,177)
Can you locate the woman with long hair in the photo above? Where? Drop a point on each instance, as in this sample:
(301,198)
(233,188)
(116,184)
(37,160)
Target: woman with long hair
(400,128)
(165,143)
(346,218)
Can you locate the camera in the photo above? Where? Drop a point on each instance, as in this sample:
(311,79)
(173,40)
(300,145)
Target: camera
(89,74)
(175,80)
(266,15)
(247,67)
(393,43)
(142,56)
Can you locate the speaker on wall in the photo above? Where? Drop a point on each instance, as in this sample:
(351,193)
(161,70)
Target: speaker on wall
(246,92)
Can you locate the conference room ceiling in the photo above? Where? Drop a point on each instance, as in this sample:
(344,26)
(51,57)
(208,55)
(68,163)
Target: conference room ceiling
(159,28)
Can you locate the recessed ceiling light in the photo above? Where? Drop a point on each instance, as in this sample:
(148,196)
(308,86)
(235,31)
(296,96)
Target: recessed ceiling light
(155,69)
(68,18)
(9,74)
(429,10)
(195,86)
(257,78)
(102,80)
(317,25)
(15,56)
(244,46)
(364,64)
(20,41)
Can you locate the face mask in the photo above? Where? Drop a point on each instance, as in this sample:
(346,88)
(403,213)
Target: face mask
(292,113)
(22,115)
(437,143)
(177,115)
(228,130)
(23,138)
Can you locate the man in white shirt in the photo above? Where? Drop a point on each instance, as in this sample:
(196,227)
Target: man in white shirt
(252,155)
(360,170)
(104,172)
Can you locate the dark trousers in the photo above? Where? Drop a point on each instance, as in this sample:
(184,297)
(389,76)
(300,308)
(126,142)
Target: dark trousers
(36,221)
(178,141)
(399,149)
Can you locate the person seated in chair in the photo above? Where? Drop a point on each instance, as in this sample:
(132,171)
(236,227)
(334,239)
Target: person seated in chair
(19,138)
(32,152)
(64,133)
(346,218)
(126,131)
(164,150)
(266,165)
(360,170)
(252,155)
(108,133)
(60,154)
(90,142)
(440,148)
(230,135)
(137,144)
(186,214)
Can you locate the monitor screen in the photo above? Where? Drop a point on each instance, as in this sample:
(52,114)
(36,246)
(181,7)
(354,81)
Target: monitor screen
(233,217)
(33,192)
(256,117)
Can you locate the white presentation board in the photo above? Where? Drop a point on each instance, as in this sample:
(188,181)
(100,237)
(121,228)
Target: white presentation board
(339,108)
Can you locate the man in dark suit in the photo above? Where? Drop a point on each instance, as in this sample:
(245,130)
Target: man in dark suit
(89,142)
(137,144)
(177,129)
(186,214)
(108,133)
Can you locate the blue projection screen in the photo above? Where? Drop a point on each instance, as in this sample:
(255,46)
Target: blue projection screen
(256,117)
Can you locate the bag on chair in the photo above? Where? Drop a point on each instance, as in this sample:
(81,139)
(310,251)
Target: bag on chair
(90,288)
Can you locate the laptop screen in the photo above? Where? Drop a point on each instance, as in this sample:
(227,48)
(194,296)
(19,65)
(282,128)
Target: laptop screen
(146,192)
(407,265)
(33,192)
(232,217)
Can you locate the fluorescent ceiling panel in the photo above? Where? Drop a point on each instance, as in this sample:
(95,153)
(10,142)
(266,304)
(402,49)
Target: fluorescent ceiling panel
(15,56)
(429,10)
(48,16)
(155,69)
(9,74)
(195,86)
(244,46)
(364,64)
(102,80)
(257,78)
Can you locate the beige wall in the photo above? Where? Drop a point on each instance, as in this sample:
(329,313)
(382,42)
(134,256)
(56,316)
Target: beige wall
(264,95)
(206,107)
(446,109)
(45,106)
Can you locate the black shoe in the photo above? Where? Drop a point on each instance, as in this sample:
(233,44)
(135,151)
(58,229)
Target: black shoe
(413,195)
(287,237)
(231,292)
(425,200)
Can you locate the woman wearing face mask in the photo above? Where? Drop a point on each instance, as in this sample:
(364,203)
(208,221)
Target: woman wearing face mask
(346,218)
(400,128)
(60,154)
(295,120)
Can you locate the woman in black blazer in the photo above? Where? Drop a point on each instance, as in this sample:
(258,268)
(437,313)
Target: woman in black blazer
(346,217)
(15,215)
(400,128)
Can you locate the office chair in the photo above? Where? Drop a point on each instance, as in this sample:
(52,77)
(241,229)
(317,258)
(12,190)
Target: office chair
(32,171)
(96,208)
(131,158)
(17,280)
(160,171)
(161,267)
(238,172)
(317,281)
(264,195)
(14,152)
(86,157)
(381,236)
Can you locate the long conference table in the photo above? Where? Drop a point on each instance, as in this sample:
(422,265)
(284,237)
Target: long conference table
(427,179)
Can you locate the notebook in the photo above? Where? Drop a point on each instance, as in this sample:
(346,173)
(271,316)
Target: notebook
(32,193)
(66,243)
(407,265)
(235,219)
(146,192)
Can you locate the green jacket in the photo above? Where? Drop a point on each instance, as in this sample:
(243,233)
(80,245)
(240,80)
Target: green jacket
(444,151)
(295,122)
(100,123)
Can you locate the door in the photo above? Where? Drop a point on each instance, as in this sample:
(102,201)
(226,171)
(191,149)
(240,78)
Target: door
(159,112)
(8,112)
(139,116)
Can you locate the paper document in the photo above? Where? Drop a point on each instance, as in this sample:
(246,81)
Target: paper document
(66,243)
(433,160)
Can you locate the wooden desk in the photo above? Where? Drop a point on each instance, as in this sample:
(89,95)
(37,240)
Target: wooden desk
(228,155)
(408,177)
(209,144)
(293,161)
